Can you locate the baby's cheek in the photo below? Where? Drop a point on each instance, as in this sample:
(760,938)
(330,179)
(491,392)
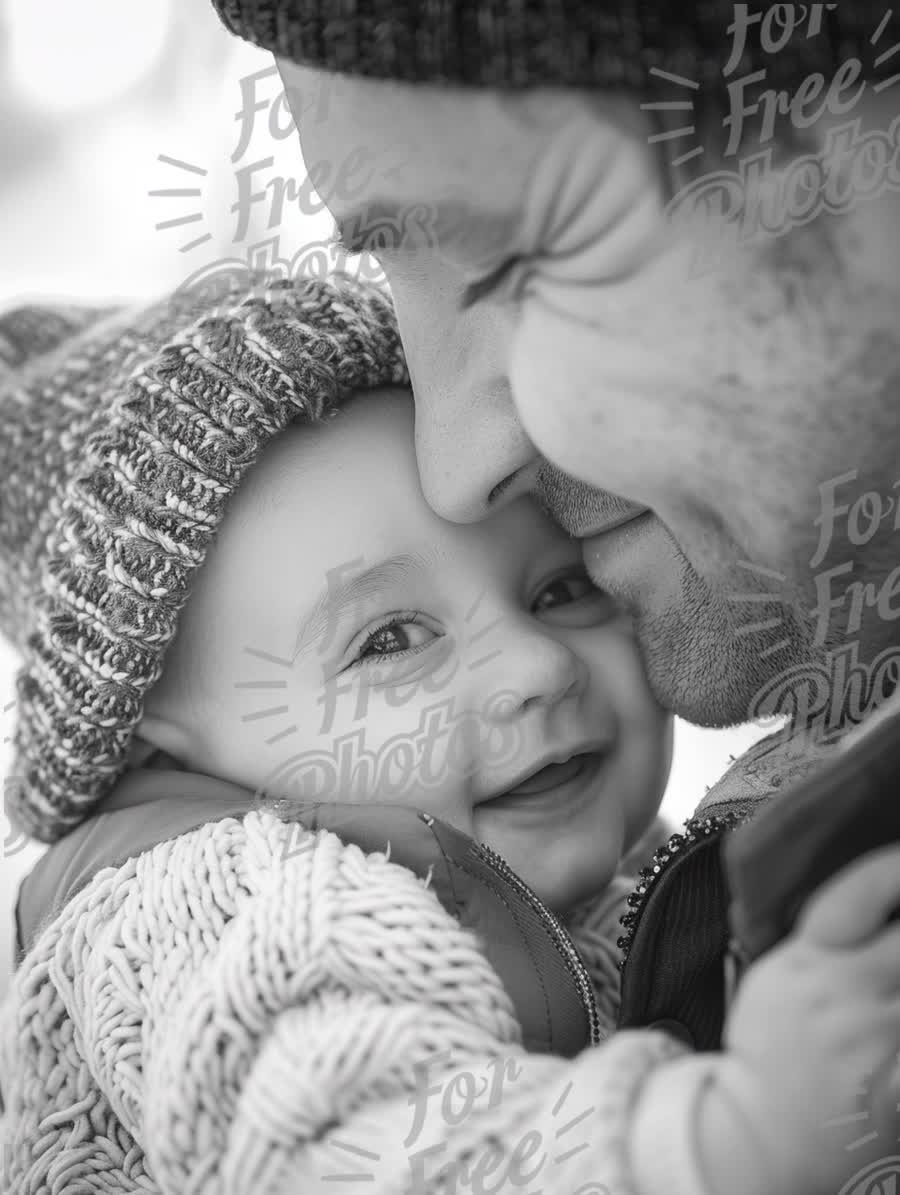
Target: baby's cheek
(426,751)
(616,664)
(645,731)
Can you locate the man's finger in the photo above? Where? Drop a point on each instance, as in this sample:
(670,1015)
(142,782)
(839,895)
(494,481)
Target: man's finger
(855,903)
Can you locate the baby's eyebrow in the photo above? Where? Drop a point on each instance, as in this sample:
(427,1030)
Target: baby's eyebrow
(346,591)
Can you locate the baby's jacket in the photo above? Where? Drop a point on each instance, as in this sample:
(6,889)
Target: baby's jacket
(217,996)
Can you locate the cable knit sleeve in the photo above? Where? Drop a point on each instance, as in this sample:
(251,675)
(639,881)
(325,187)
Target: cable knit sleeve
(253,1007)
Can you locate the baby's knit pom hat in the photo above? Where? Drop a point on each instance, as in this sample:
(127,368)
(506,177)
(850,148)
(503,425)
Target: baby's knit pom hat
(123,434)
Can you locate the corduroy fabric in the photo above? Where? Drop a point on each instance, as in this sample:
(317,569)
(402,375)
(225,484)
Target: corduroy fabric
(122,443)
(561,43)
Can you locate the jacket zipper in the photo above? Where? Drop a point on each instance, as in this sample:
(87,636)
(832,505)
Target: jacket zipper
(558,935)
(670,852)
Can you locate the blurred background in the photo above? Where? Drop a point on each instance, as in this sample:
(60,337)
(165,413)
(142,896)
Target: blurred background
(128,162)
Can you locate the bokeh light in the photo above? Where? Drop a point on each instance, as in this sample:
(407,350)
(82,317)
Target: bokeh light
(67,57)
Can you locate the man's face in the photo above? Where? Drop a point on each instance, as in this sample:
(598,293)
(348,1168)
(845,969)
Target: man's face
(561,341)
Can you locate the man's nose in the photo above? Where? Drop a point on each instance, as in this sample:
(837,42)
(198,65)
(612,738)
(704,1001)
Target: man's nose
(469,440)
(470,454)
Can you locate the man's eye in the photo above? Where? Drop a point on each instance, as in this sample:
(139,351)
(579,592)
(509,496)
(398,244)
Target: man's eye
(398,636)
(501,285)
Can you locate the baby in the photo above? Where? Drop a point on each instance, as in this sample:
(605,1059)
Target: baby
(339,797)
(469,671)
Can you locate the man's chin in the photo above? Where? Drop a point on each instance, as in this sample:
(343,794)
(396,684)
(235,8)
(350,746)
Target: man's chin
(696,699)
(699,704)
(707,674)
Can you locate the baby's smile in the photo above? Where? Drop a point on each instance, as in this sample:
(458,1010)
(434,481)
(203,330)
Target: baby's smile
(552,775)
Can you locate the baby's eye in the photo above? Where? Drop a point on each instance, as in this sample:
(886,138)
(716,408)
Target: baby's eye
(561,590)
(572,600)
(397,636)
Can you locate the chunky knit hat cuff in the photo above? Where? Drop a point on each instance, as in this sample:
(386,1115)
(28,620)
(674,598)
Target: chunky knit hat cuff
(448,41)
(121,449)
(566,43)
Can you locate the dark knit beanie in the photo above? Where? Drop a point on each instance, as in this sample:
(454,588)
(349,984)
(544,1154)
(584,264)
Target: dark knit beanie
(124,434)
(575,43)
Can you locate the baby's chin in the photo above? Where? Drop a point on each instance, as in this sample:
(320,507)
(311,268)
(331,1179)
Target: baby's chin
(563,894)
(562,872)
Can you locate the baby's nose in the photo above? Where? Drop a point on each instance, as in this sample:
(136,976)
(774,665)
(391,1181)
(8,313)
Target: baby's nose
(535,669)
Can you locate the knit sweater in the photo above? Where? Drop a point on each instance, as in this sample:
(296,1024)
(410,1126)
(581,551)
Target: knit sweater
(253,1006)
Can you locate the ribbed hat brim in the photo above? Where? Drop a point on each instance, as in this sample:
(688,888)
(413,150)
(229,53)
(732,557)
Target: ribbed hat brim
(122,445)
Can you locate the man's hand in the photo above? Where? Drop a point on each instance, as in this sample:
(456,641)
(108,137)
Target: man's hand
(816,1021)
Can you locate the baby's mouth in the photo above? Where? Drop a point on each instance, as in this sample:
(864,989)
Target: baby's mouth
(550,776)
(551,782)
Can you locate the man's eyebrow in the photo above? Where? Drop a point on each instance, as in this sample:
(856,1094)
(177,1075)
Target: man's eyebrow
(345,592)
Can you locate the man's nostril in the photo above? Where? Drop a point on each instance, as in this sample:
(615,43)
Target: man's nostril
(501,487)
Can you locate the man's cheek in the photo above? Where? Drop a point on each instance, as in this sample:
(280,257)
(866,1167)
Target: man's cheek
(587,397)
(547,398)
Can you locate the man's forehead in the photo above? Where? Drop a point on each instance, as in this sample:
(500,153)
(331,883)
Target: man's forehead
(467,152)
(433,116)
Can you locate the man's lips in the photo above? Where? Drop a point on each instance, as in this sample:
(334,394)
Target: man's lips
(596,520)
(604,552)
(613,524)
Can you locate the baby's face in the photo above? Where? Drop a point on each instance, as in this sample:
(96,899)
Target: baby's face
(344,643)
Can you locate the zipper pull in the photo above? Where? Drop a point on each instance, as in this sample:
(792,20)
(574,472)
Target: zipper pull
(734,965)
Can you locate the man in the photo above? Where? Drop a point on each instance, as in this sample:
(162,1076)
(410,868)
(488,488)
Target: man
(646,264)
(718,374)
